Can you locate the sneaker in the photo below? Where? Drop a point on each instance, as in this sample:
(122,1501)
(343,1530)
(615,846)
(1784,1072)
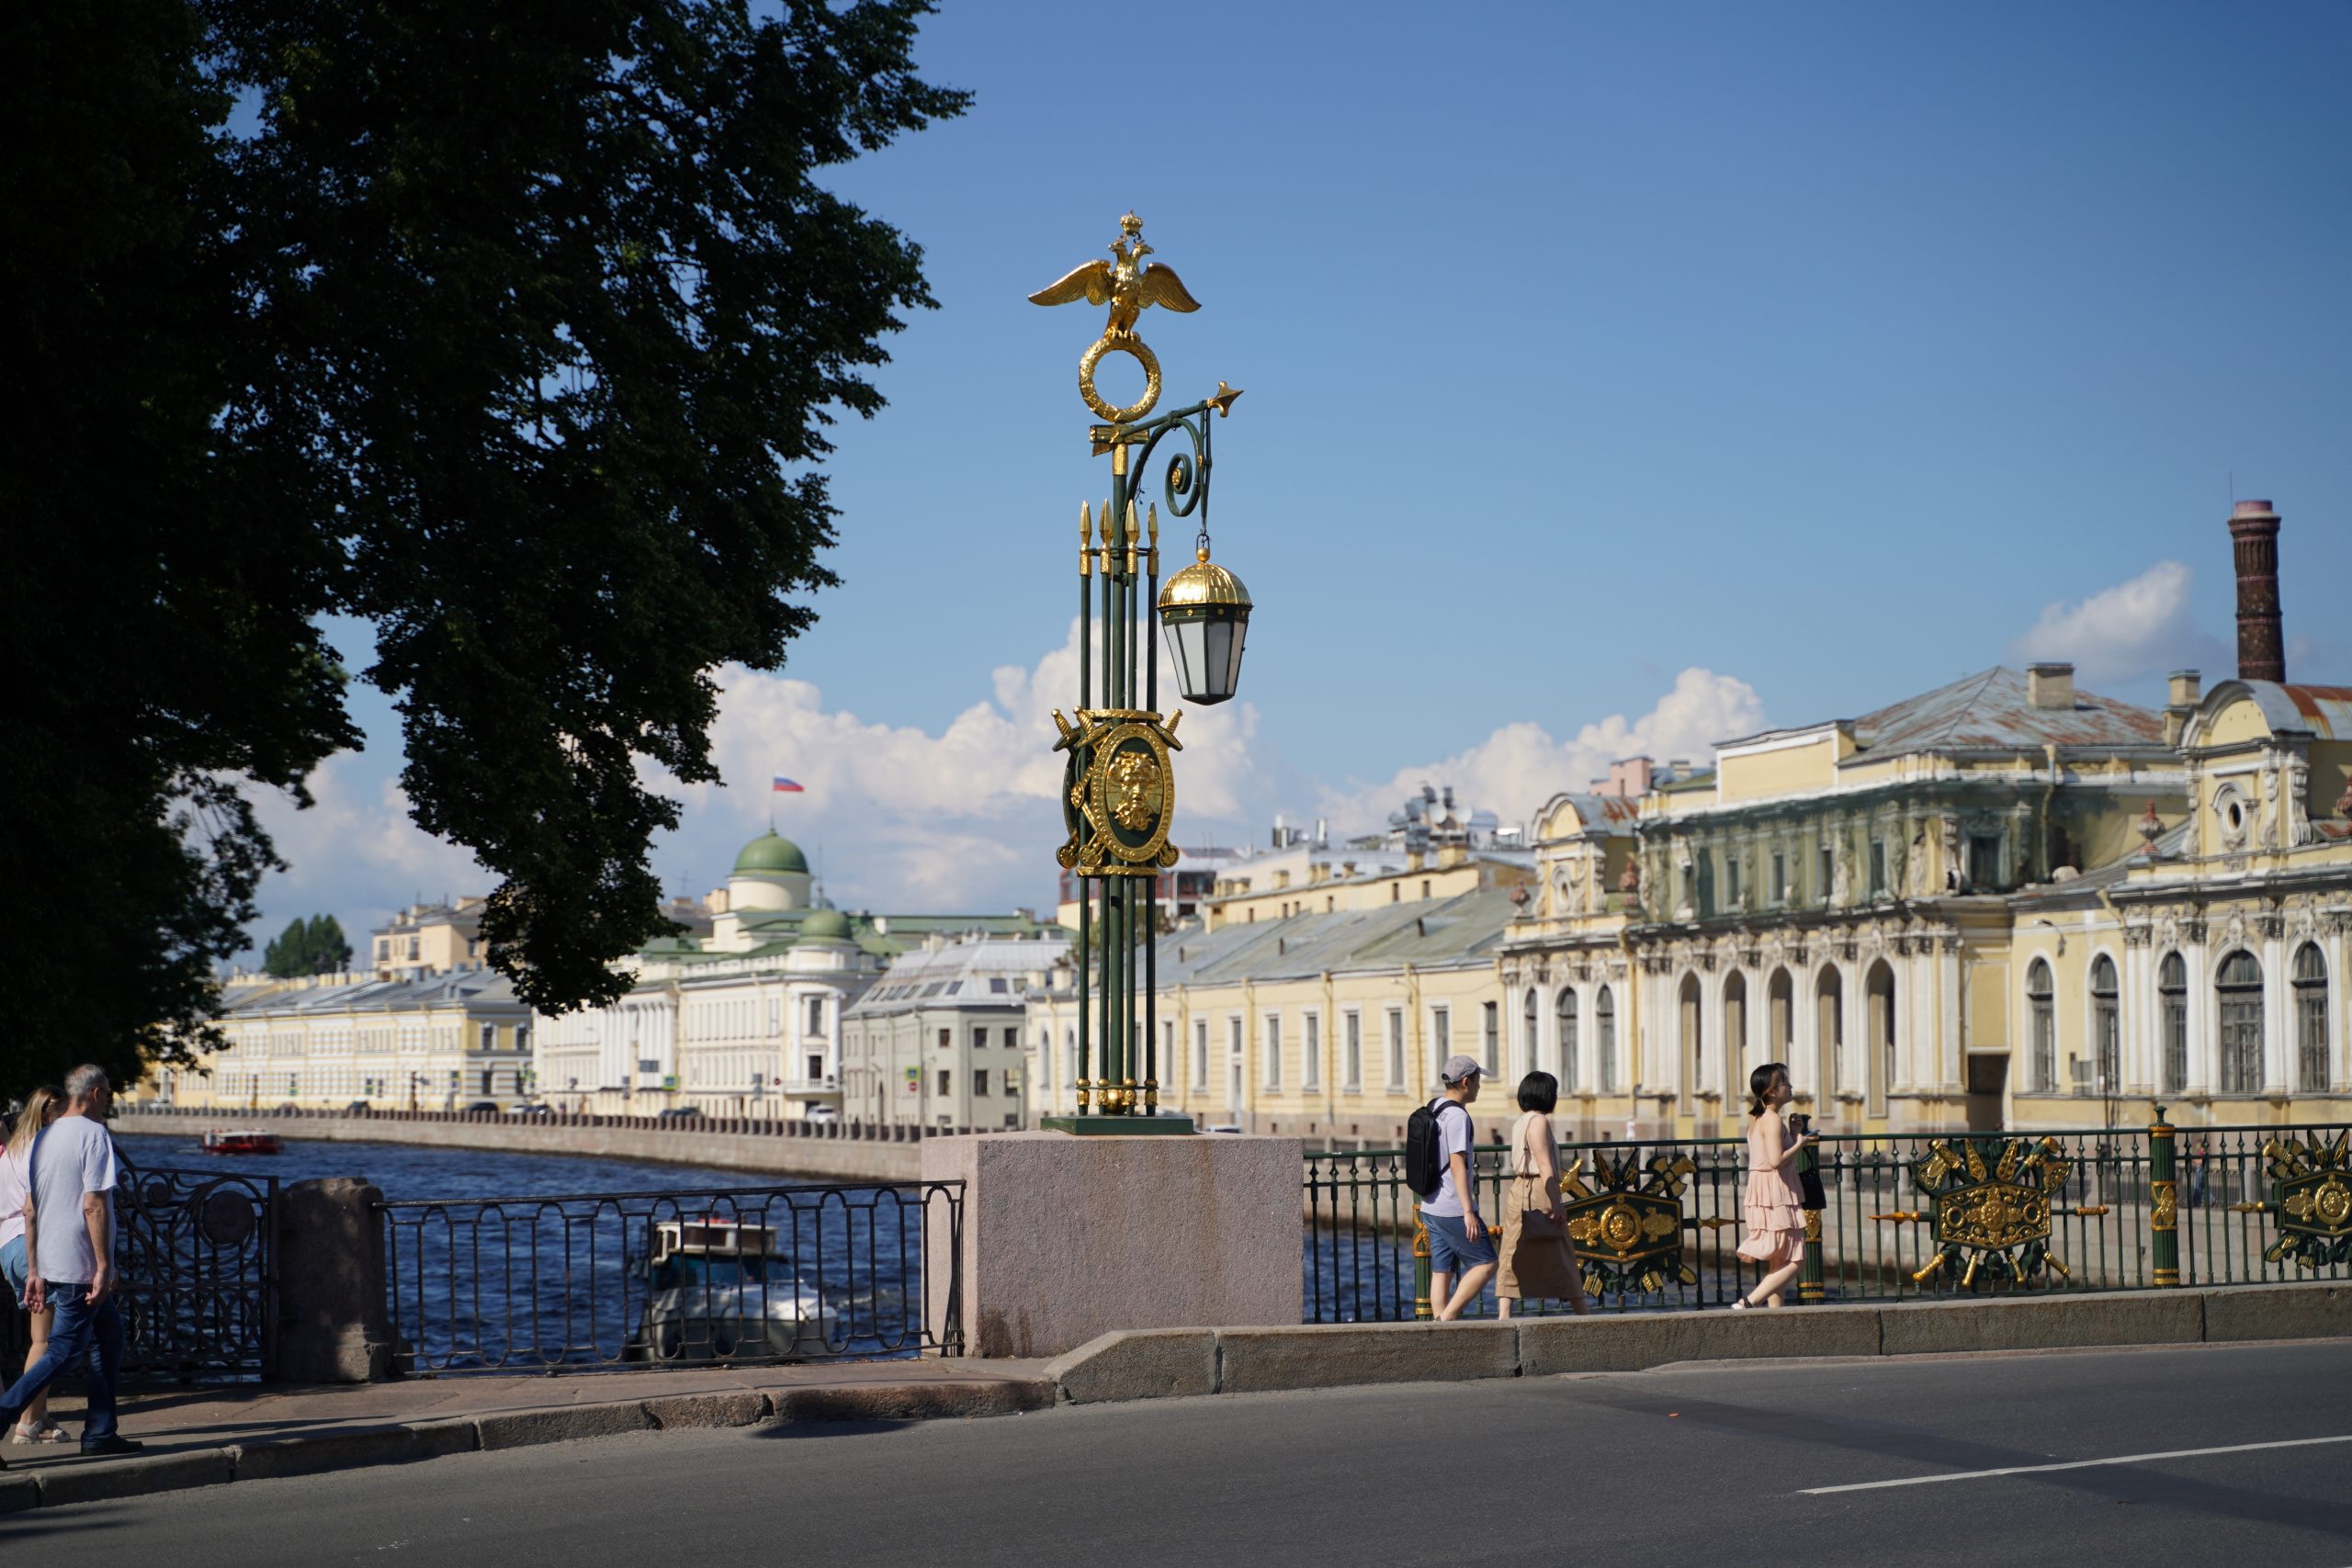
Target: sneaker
(47,1432)
(110,1447)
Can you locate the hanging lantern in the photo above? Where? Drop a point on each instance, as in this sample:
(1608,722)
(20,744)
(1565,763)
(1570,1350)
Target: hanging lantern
(1207,613)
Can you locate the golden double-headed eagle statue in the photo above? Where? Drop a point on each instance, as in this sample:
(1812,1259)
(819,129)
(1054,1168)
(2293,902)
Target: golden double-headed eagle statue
(1129,284)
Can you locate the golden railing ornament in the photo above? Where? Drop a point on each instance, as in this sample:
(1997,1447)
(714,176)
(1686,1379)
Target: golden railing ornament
(1995,1213)
(1627,1223)
(2311,1194)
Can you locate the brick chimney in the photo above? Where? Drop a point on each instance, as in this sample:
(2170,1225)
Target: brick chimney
(2253,538)
(2050,686)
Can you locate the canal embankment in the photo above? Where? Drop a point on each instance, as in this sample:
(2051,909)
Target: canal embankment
(830,1152)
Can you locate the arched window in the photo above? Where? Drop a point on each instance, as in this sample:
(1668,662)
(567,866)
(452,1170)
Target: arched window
(1829,1018)
(1734,1032)
(2311,1020)
(1692,1037)
(2238,989)
(1564,1010)
(1781,995)
(2107,1026)
(1531,1019)
(1879,1001)
(2172,1006)
(1604,1023)
(2041,1007)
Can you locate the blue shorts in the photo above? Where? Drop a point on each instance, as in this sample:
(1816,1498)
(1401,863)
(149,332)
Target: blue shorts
(1450,1252)
(12,1265)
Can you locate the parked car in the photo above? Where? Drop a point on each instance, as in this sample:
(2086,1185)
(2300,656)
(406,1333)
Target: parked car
(358,1108)
(821,1114)
(679,1113)
(489,1105)
(716,1289)
(529,1109)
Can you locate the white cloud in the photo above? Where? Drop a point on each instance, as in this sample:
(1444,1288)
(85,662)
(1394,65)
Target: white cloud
(1515,770)
(2137,628)
(355,853)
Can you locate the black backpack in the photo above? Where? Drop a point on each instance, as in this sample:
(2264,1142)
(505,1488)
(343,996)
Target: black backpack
(1424,1149)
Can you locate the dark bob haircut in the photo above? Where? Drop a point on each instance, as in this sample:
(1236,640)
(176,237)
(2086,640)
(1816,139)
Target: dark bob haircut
(1538,1092)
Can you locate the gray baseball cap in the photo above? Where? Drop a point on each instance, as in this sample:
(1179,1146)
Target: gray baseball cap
(1457,1068)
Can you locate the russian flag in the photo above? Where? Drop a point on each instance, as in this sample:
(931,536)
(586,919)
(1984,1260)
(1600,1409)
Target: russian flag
(785,786)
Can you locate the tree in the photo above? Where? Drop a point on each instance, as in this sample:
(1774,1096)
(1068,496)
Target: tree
(513,331)
(314,946)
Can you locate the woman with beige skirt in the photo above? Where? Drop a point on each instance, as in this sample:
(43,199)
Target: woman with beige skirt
(1538,1260)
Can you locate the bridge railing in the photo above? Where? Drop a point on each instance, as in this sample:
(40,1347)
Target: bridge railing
(675,1278)
(1366,1260)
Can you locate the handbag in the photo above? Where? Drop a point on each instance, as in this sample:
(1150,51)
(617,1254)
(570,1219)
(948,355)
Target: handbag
(1541,1262)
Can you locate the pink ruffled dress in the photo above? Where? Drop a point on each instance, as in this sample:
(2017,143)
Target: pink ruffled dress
(1767,1209)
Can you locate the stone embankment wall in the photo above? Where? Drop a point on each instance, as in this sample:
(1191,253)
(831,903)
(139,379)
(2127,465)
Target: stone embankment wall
(821,1151)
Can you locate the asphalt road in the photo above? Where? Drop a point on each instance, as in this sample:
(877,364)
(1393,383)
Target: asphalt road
(1693,1465)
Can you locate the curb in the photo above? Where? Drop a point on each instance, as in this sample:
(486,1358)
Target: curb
(361,1447)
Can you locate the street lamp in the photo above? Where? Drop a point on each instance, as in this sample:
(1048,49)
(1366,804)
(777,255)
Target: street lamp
(1118,782)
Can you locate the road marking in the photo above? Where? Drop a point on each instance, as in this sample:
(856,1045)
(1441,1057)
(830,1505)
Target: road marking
(2070,1464)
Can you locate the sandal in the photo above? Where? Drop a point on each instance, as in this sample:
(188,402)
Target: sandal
(47,1432)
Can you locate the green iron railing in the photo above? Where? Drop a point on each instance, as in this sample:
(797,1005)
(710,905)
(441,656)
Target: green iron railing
(1914,1216)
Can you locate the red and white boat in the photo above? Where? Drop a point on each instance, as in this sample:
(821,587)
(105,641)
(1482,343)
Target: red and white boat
(246,1141)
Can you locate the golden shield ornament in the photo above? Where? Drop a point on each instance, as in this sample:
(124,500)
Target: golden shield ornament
(1119,791)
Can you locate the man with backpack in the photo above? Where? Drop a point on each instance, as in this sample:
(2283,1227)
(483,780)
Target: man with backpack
(1438,1143)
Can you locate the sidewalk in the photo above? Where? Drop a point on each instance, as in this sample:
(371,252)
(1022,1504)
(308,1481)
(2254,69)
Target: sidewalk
(203,1437)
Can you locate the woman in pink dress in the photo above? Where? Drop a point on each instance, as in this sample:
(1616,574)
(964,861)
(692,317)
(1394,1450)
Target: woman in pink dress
(1769,1210)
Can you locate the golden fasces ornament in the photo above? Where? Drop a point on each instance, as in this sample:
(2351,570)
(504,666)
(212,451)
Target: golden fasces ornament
(1627,1222)
(1130,286)
(2311,1195)
(1993,1213)
(1118,791)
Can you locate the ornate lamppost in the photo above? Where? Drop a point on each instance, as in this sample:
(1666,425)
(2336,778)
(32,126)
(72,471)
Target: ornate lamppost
(1119,782)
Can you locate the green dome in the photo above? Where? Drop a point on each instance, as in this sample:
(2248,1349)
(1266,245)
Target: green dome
(825,925)
(770,855)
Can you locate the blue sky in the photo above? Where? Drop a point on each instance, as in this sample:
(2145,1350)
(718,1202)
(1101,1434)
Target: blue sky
(1617,378)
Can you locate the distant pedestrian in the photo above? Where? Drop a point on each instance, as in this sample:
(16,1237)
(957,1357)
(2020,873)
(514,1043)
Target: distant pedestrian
(1462,1255)
(15,1201)
(1538,1260)
(2197,1175)
(1770,1207)
(69,1244)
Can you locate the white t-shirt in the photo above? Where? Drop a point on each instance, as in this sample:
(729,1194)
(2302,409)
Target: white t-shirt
(1452,1138)
(12,1198)
(76,1158)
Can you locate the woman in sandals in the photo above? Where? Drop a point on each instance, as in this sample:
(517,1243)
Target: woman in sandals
(15,1187)
(1550,1261)
(1768,1208)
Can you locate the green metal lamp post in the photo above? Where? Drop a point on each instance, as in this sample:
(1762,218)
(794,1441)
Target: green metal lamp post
(1119,784)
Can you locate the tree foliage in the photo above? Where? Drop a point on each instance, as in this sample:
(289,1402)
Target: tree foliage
(512,330)
(315,946)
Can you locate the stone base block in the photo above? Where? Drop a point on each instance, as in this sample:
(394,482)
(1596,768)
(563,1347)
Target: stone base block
(134,1477)
(1549,1345)
(1259,1360)
(1067,1238)
(736,1408)
(521,1428)
(2320,1310)
(312,1452)
(1160,1363)
(2021,1322)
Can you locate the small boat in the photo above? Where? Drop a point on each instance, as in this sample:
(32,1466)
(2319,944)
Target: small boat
(246,1141)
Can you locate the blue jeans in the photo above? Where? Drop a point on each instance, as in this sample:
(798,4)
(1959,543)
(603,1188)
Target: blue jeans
(80,1332)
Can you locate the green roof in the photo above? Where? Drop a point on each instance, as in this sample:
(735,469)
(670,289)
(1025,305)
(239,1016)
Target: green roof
(770,855)
(825,925)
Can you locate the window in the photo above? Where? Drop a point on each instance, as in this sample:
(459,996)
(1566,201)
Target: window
(2107,1029)
(816,1015)
(1829,1018)
(1604,1028)
(947,1038)
(944,1077)
(996,986)
(1425,888)
(2041,1026)
(1564,1010)
(1878,868)
(1352,1051)
(1396,891)
(979,1081)
(1312,1074)
(1396,1044)
(979,1040)
(2238,988)
(489,1038)
(1070,1056)
(1441,1035)
(1273,1037)
(1983,860)
(1731,881)
(2311,1020)
(1780,876)
(1201,1054)
(1530,1020)
(2172,1005)
(1735,1032)
(1490,1038)
(1829,872)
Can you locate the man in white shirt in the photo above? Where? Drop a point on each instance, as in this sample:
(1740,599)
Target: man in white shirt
(1459,1245)
(71,1237)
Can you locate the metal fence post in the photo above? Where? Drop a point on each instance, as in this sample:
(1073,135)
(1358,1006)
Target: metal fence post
(2164,1202)
(1422,1312)
(1809,1290)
